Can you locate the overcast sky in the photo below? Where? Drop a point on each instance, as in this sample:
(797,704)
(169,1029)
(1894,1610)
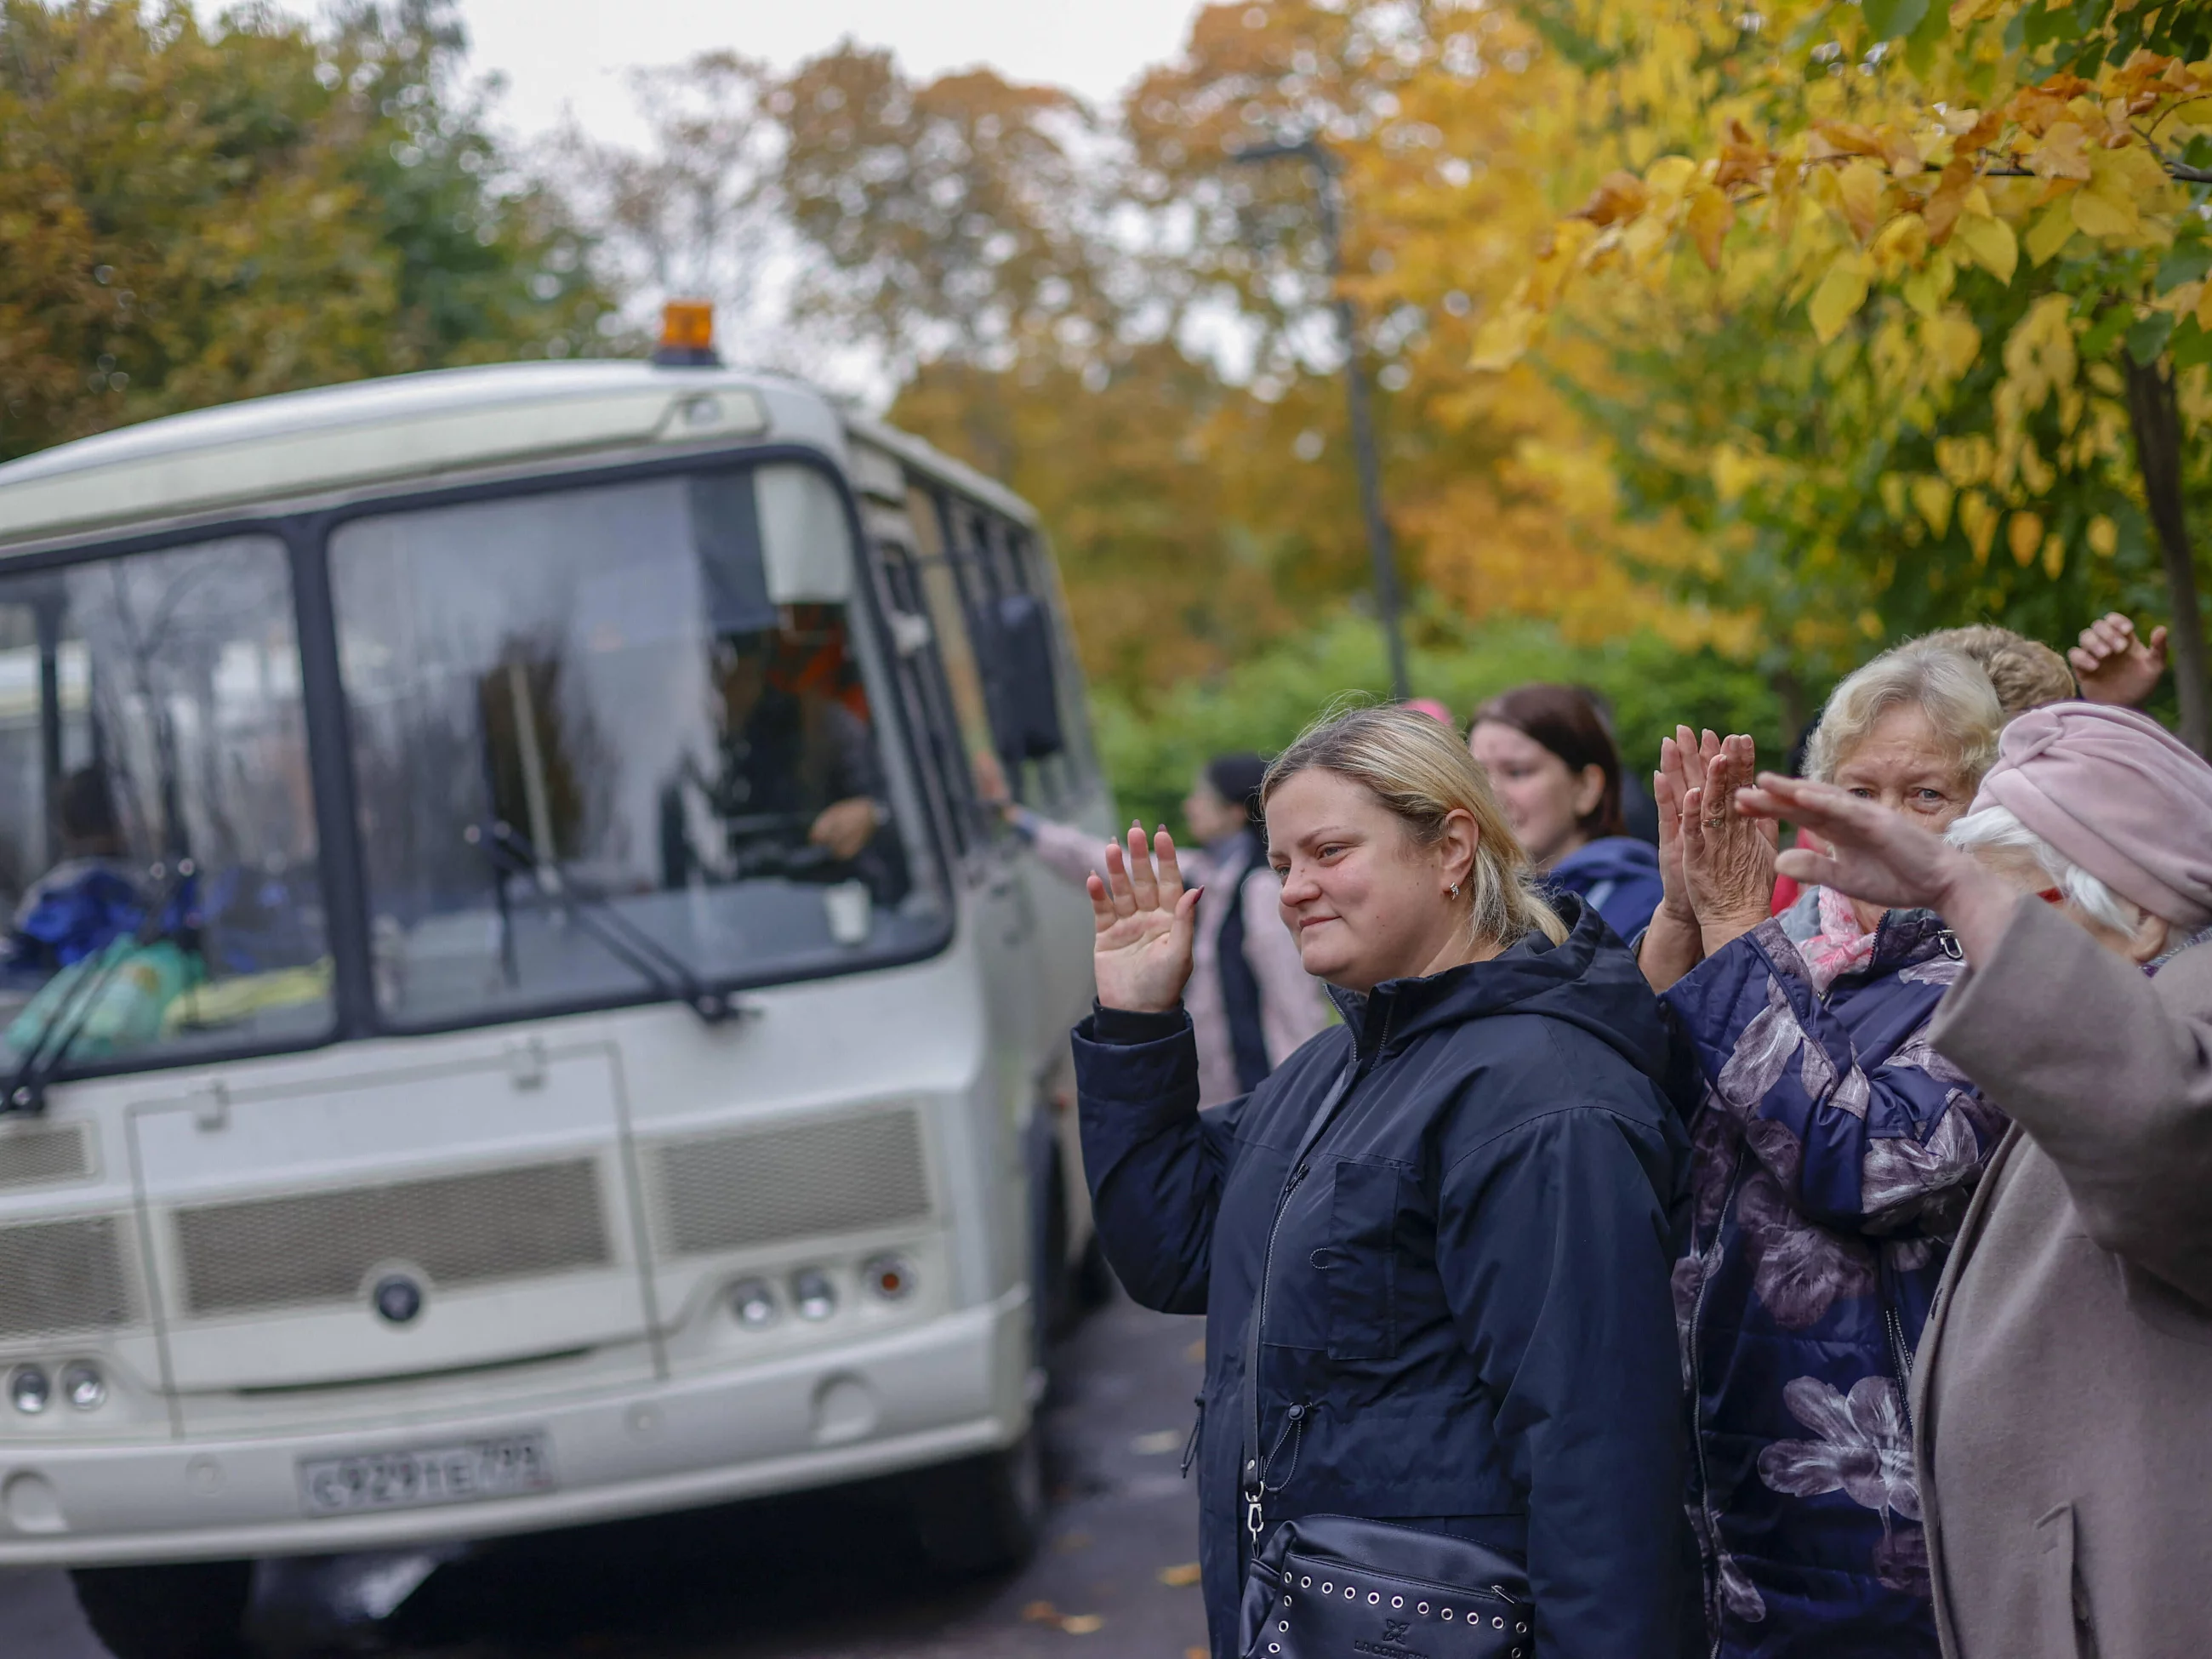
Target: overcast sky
(560,54)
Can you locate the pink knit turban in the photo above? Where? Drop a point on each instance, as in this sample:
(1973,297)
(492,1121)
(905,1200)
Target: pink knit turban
(2115,792)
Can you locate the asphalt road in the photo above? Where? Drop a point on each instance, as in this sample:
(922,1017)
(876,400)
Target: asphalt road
(834,1576)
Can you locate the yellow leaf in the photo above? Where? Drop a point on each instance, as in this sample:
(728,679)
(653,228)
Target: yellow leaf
(2050,232)
(2054,555)
(2098,214)
(1891,486)
(2024,535)
(1991,244)
(1670,174)
(1837,299)
(1932,499)
(2103,537)
(1709,219)
(1040,1612)
(1504,339)
(2204,310)
(1859,190)
(2064,153)
(1965,461)
(1952,341)
(1179,1577)
(1979,520)
(1948,199)
(1963,12)
(1083,1624)
(1901,246)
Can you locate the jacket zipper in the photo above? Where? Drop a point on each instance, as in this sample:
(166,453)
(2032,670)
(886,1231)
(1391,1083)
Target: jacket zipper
(1900,1362)
(1255,1468)
(1190,1442)
(1255,1473)
(1697,1383)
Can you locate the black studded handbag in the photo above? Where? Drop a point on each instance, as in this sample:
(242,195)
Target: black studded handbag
(1332,1586)
(1336,1587)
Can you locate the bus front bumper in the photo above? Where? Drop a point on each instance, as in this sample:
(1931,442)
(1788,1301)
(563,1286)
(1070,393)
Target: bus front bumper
(956,1387)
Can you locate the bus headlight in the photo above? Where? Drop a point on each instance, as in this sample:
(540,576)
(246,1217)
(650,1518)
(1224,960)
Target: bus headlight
(888,1276)
(753,1302)
(83,1385)
(816,1295)
(29,1390)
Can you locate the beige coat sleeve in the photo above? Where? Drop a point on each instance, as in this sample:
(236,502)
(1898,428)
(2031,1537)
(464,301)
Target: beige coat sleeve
(2110,1073)
(1292,1004)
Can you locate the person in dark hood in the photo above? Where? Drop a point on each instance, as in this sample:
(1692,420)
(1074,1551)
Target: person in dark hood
(1463,1270)
(1551,760)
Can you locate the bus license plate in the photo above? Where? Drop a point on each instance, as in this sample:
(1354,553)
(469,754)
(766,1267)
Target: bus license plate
(465,1472)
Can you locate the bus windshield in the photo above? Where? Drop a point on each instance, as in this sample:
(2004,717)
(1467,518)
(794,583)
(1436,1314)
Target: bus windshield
(581,716)
(158,861)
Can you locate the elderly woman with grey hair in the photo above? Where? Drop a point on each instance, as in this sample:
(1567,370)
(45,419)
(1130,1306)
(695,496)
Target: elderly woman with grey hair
(1832,1157)
(2064,1396)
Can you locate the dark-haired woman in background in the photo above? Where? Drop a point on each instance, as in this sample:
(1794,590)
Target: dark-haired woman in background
(1552,762)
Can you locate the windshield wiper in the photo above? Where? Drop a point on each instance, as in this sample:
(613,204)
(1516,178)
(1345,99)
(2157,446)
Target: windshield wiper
(26,1092)
(598,914)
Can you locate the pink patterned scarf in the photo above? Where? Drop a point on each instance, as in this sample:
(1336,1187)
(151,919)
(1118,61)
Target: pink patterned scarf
(1839,946)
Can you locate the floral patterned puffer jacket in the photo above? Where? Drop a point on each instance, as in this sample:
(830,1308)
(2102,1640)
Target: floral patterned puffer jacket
(1833,1155)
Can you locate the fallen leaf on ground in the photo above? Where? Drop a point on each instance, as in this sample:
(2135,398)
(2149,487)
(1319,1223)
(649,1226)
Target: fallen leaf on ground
(1081,1623)
(1158,1443)
(1186,1574)
(1196,1351)
(1040,1612)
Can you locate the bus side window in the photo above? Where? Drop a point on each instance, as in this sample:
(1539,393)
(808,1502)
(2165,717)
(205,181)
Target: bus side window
(921,671)
(1073,770)
(944,600)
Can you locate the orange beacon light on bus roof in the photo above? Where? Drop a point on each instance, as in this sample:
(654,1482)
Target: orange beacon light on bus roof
(687,336)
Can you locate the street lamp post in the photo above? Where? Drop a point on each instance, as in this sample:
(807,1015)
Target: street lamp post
(1329,197)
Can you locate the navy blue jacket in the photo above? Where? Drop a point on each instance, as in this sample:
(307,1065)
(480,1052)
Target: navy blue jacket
(1618,876)
(1468,1306)
(1833,1158)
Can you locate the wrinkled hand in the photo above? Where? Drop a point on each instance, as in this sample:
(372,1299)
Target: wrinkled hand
(2113,665)
(1728,858)
(1682,762)
(1872,853)
(845,827)
(1146,923)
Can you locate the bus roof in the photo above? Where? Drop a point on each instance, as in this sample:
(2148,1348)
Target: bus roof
(371,436)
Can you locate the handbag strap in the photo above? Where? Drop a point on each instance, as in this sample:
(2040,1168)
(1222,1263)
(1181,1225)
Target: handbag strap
(1254,1477)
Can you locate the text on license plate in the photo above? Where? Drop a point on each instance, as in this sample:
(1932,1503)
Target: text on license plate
(463,1472)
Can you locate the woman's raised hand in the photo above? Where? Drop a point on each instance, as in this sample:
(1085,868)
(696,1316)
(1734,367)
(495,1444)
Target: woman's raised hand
(1145,922)
(1872,853)
(1728,859)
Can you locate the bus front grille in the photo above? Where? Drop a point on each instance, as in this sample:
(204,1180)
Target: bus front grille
(63,1276)
(762,1186)
(34,1154)
(242,1256)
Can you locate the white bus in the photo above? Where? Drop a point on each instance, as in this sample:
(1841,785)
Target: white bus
(515,1009)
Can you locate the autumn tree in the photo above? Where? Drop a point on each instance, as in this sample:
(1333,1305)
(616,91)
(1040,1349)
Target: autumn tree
(1992,218)
(191,215)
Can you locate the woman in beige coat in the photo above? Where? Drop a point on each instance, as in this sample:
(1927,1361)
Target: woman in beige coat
(2063,1399)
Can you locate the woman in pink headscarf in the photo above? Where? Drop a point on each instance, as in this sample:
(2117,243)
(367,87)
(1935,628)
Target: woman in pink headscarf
(2063,1394)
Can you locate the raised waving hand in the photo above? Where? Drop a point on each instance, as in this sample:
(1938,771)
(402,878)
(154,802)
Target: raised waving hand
(1145,923)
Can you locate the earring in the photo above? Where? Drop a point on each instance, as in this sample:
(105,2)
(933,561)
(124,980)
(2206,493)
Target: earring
(1454,889)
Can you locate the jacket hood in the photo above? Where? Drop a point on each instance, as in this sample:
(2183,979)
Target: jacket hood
(1589,979)
(1610,858)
